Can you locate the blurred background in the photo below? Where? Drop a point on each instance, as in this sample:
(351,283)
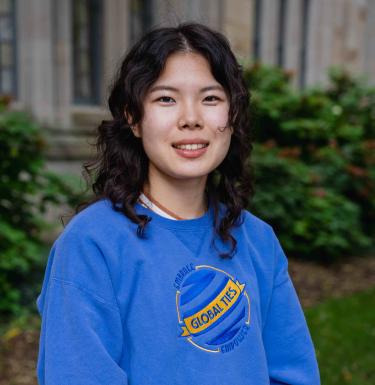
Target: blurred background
(310,68)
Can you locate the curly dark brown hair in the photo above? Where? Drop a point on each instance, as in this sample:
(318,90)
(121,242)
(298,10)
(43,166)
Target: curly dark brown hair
(120,169)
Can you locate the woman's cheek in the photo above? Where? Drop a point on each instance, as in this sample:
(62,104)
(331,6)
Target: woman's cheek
(218,119)
(156,126)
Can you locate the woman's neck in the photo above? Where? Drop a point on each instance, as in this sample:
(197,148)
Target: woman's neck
(185,198)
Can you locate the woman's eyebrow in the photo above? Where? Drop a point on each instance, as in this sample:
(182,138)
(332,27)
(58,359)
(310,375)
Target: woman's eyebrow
(169,88)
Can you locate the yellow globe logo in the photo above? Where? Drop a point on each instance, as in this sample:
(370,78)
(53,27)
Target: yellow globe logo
(213,309)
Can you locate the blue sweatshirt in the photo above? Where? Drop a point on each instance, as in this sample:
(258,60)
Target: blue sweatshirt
(167,310)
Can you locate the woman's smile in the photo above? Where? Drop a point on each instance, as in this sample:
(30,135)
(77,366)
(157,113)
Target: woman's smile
(191,151)
(191,148)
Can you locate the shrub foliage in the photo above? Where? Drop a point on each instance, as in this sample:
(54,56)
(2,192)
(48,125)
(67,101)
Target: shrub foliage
(314,162)
(26,190)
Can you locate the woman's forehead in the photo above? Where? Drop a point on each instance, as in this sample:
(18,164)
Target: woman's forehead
(186,70)
(185,64)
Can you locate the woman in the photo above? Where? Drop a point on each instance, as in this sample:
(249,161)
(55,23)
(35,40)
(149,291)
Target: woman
(165,277)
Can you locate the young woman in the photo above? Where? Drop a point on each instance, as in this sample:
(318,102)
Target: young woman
(165,277)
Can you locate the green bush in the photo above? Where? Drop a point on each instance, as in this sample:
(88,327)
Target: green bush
(26,190)
(314,158)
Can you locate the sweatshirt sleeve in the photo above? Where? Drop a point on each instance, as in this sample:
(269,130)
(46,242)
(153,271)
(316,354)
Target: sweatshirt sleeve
(81,334)
(289,348)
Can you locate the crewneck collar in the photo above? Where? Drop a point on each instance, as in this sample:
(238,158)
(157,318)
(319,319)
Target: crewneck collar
(204,221)
(145,202)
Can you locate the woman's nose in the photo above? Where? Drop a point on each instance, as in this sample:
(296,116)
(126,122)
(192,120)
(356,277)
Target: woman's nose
(190,118)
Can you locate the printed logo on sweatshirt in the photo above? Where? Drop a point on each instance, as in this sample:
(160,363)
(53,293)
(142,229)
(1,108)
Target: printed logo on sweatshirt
(213,308)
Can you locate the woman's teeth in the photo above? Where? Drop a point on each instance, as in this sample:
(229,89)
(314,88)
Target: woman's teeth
(190,146)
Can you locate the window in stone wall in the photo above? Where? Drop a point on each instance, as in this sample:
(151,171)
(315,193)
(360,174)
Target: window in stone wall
(304,41)
(87,51)
(8,70)
(257,23)
(281,35)
(140,18)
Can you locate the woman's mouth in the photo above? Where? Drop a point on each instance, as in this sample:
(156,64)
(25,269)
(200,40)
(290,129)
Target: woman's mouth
(190,150)
(190,147)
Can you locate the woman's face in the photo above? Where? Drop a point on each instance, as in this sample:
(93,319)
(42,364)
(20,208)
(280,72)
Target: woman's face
(185,113)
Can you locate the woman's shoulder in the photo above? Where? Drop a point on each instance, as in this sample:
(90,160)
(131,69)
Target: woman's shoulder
(251,218)
(256,227)
(96,233)
(88,250)
(251,227)
(97,219)
(247,219)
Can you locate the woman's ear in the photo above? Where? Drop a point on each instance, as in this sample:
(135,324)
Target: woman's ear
(134,127)
(136,130)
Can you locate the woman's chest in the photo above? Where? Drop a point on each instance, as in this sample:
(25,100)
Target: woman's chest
(176,292)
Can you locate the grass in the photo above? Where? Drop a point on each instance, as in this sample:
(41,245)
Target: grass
(343,331)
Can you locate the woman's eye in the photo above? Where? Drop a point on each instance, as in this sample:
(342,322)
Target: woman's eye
(165,99)
(211,98)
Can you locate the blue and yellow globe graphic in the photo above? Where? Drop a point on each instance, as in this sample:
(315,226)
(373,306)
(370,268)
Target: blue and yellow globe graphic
(213,308)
